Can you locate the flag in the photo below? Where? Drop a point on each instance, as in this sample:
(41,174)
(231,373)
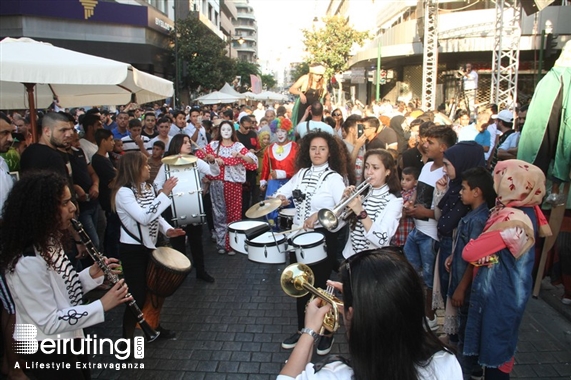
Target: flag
(256,83)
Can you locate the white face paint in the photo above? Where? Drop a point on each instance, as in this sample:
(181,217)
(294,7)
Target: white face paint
(281,135)
(226,131)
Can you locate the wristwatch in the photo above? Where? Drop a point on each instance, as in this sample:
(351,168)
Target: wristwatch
(313,334)
(362,215)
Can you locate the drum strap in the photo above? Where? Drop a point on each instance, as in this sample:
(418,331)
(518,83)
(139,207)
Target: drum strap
(137,239)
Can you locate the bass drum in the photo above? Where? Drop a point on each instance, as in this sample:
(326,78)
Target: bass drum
(309,247)
(186,196)
(237,235)
(268,248)
(166,271)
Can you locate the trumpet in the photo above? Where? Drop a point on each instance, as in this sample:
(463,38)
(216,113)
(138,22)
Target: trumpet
(330,218)
(297,281)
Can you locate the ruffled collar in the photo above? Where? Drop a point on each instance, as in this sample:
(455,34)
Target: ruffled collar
(319,168)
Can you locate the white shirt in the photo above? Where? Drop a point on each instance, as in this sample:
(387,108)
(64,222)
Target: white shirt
(129,145)
(322,187)
(130,213)
(424,193)
(385,210)
(203,168)
(88,148)
(177,131)
(301,128)
(470,80)
(443,366)
(511,141)
(42,299)
(6,182)
(201,139)
(156,138)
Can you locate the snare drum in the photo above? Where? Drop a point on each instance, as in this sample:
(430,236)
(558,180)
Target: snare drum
(309,247)
(237,236)
(166,271)
(267,249)
(285,218)
(186,196)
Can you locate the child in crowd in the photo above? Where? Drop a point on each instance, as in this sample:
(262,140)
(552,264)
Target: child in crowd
(408,182)
(420,243)
(479,195)
(135,141)
(502,285)
(155,159)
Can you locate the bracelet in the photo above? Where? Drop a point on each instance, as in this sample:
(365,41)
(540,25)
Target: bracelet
(311,333)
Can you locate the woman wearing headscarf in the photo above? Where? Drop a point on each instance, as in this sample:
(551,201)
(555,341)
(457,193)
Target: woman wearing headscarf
(396,125)
(310,87)
(502,284)
(450,209)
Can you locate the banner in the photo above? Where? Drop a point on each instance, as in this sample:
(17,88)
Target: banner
(256,82)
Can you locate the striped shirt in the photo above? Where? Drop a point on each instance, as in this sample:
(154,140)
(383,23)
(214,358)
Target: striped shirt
(129,145)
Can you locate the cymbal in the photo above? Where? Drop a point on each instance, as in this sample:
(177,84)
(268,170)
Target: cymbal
(179,159)
(263,208)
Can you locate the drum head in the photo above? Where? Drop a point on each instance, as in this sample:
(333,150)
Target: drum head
(171,258)
(267,238)
(244,225)
(307,238)
(287,212)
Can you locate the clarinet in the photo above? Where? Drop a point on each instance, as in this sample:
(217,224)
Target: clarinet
(149,332)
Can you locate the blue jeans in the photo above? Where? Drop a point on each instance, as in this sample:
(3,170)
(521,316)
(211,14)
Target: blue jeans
(420,253)
(89,219)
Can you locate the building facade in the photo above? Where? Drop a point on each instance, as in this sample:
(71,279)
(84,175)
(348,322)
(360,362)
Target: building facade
(465,35)
(245,40)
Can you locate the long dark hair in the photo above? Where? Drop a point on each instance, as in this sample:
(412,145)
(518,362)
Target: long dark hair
(32,217)
(128,174)
(386,333)
(337,160)
(389,163)
(176,144)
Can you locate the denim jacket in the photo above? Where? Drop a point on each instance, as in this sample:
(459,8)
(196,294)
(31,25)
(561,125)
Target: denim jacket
(469,228)
(497,303)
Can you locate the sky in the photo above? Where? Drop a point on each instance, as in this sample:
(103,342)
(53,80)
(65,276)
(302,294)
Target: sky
(280,40)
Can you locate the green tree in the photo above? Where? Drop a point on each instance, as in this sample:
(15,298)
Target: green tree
(299,70)
(331,44)
(202,56)
(244,69)
(268,81)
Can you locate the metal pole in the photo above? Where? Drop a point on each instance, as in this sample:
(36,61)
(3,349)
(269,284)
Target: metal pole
(176,60)
(541,51)
(378,73)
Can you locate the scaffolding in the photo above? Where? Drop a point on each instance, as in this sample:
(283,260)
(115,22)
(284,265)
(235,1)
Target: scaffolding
(505,62)
(430,56)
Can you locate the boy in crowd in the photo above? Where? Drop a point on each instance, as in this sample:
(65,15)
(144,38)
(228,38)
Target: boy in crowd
(155,159)
(135,141)
(420,247)
(408,183)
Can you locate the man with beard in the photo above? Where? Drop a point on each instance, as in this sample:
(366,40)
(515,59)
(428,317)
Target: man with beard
(416,157)
(56,133)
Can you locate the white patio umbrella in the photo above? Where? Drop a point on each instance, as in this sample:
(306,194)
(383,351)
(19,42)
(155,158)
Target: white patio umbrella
(217,97)
(32,73)
(269,95)
(227,89)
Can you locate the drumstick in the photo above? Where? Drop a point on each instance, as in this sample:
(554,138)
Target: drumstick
(288,231)
(197,146)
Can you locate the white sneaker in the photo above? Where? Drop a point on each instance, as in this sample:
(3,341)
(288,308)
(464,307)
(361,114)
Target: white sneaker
(231,253)
(432,323)
(566,301)
(221,251)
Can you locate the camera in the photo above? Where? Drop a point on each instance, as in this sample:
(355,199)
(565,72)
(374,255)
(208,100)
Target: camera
(297,195)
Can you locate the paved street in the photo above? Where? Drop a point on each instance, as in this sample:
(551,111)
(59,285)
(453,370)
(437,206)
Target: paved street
(232,329)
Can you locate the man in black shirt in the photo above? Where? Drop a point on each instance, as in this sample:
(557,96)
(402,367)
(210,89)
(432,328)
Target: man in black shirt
(249,139)
(379,136)
(106,173)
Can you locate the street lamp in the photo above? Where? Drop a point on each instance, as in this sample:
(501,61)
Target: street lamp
(239,40)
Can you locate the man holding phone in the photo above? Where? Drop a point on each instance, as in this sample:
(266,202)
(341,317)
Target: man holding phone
(378,135)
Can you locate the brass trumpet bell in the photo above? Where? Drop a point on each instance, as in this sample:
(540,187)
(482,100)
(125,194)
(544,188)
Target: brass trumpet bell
(297,281)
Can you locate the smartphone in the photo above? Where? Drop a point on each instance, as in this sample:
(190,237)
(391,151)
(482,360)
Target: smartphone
(360,129)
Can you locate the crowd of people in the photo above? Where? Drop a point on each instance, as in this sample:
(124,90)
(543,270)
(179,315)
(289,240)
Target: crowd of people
(436,226)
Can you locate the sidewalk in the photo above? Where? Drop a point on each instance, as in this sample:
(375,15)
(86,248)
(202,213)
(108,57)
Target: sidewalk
(232,329)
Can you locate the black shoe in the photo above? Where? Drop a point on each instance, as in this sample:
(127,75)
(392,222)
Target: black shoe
(204,276)
(165,334)
(290,342)
(324,345)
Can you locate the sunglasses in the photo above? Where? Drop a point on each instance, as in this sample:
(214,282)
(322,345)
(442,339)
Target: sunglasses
(336,114)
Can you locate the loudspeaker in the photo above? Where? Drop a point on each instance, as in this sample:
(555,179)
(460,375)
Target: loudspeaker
(533,6)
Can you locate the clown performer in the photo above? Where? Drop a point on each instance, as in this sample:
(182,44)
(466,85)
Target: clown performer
(278,165)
